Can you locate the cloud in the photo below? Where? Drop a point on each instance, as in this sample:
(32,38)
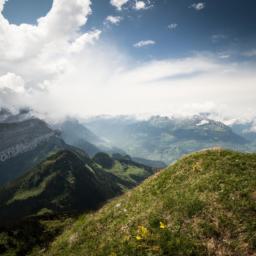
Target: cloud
(141,44)
(12,82)
(218,37)
(34,42)
(88,38)
(60,71)
(224,55)
(113,20)
(118,4)
(172,26)
(251,53)
(46,47)
(198,6)
(2,2)
(142,5)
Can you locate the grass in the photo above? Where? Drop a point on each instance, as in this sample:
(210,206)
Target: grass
(23,193)
(204,204)
(130,173)
(29,236)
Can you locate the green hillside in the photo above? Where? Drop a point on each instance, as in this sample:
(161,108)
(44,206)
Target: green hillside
(204,204)
(36,207)
(66,182)
(124,167)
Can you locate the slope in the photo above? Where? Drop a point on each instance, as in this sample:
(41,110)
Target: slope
(204,204)
(36,207)
(66,182)
(124,167)
(77,135)
(23,145)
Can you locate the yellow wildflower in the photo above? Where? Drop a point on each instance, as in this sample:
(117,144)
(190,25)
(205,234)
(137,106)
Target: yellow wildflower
(143,231)
(138,237)
(162,225)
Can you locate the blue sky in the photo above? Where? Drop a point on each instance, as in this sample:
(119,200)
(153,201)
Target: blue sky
(91,57)
(223,27)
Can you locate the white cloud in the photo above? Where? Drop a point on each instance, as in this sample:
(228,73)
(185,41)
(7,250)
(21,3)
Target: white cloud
(223,55)
(26,40)
(118,3)
(45,47)
(198,6)
(113,20)
(61,71)
(172,26)
(140,5)
(144,43)
(2,3)
(203,122)
(218,37)
(251,53)
(12,82)
(88,38)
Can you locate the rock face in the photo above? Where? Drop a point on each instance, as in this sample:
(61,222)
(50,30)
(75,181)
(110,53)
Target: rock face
(23,144)
(18,138)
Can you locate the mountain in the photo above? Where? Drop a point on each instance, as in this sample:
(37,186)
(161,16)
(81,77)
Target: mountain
(166,139)
(4,114)
(151,163)
(246,129)
(24,144)
(124,167)
(68,182)
(37,206)
(204,204)
(22,114)
(76,134)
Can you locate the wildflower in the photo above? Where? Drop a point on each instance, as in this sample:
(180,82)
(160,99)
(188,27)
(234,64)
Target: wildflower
(138,237)
(162,225)
(143,231)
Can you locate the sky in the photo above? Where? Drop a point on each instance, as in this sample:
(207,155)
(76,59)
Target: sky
(82,58)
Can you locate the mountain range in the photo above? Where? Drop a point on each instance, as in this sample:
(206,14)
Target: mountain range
(166,139)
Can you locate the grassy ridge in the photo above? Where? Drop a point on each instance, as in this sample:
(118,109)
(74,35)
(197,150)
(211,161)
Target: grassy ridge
(35,207)
(204,204)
